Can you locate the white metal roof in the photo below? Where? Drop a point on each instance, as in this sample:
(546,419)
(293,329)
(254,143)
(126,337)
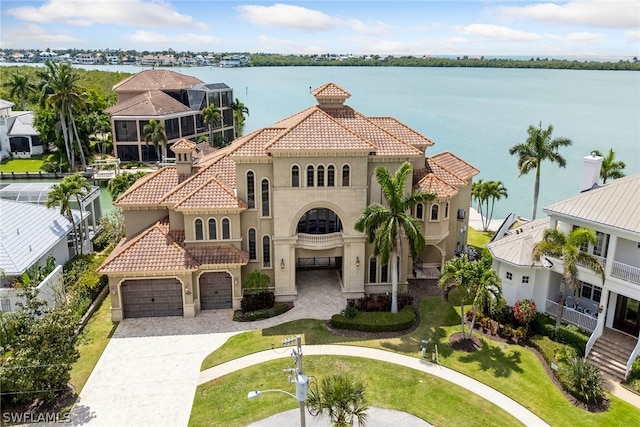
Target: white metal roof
(27,232)
(516,247)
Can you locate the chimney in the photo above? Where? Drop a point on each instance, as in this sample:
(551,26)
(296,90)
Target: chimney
(590,171)
(184,156)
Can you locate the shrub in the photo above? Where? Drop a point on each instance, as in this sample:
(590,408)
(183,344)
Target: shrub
(507,332)
(524,311)
(82,282)
(376,321)
(520,334)
(634,375)
(349,312)
(257,314)
(543,324)
(259,301)
(382,302)
(571,335)
(584,381)
(281,308)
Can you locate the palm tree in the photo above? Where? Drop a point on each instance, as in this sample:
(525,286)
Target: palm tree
(538,148)
(610,167)
(211,116)
(60,195)
(121,183)
(342,398)
(155,133)
(20,86)
(492,191)
(239,110)
(60,89)
(385,226)
(557,244)
(81,188)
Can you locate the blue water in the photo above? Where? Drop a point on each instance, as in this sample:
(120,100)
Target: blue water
(477,114)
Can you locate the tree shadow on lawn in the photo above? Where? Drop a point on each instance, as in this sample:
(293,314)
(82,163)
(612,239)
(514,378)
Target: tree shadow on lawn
(492,358)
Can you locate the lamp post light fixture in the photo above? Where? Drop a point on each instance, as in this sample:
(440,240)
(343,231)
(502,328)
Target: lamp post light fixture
(357,261)
(281,262)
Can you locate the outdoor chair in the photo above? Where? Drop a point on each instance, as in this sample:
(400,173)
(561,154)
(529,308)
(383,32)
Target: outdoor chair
(592,309)
(570,302)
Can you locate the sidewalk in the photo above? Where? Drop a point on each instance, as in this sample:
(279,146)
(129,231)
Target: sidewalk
(518,411)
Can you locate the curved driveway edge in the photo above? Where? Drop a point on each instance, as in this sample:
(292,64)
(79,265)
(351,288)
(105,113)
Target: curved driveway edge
(518,411)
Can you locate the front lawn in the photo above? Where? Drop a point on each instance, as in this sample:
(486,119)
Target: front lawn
(22,165)
(224,401)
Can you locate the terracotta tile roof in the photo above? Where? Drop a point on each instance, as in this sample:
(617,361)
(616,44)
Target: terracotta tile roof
(151,103)
(253,145)
(330,91)
(156,79)
(182,144)
(154,244)
(157,249)
(211,194)
(150,189)
(443,175)
(402,131)
(432,184)
(455,165)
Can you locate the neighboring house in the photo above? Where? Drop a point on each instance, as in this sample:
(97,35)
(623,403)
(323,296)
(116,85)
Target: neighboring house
(25,243)
(158,61)
(613,212)
(18,137)
(278,200)
(171,98)
(84,58)
(232,61)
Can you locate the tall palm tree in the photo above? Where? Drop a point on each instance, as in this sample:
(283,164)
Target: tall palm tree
(121,183)
(495,190)
(20,86)
(81,188)
(538,148)
(60,195)
(385,226)
(154,132)
(610,167)
(211,116)
(61,90)
(557,244)
(239,110)
(341,397)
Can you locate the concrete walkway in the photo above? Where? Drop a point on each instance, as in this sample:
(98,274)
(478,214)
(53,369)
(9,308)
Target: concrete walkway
(518,411)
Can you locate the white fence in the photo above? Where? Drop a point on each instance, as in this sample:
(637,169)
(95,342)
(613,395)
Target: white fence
(575,317)
(51,290)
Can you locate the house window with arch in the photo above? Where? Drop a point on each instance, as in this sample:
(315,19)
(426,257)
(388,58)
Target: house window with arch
(212,229)
(226,229)
(295,176)
(320,176)
(331,176)
(373,269)
(446,211)
(310,173)
(435,209)
(419,211)
(346,178)
(266,251)
(251,190)
(384,273)
(252,244)
(199,230)
(266,211)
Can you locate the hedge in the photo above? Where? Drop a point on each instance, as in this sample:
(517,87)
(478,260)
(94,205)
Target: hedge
(376,321)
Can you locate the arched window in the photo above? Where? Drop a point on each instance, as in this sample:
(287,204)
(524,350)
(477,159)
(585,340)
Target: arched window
(384,273)
(331,176)
(309,176)
(252,244)
(434,212)
(266,251)
(419,210)
(212,229)
(373,269)
(345,176)
(226,231)
(265,197)
(319,221)
(446,211)
(320,176)
(199,231)
(295,176)
(251,190)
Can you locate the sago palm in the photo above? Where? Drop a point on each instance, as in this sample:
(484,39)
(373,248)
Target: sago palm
(385,226)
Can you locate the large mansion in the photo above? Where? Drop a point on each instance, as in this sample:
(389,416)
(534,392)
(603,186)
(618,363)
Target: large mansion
(277,200)
(174,99)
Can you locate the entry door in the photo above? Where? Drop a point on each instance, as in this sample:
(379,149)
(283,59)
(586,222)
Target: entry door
(627,317)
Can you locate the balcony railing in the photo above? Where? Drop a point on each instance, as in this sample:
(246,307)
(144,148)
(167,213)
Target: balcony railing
(625,272)
(575,317)
(319,241)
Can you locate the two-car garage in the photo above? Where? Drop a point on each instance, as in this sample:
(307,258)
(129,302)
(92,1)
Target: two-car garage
(163,297)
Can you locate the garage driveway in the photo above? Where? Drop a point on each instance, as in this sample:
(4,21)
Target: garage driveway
(148,373)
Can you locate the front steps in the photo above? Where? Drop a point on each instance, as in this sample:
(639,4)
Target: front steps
(611,352)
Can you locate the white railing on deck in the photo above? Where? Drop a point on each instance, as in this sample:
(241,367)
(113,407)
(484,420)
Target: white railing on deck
(625,272)
(635,353)
(572,316)
(319,241)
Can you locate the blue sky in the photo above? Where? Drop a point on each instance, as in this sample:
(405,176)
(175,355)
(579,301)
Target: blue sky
(582,28)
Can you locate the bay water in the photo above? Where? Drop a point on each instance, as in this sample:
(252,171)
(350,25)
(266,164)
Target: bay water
(477,114)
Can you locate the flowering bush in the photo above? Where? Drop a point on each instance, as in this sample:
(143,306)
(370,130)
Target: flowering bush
(524,311)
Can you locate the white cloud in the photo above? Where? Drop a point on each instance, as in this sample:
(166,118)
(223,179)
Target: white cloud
(496,32)
(369,28)
(148,37)
(29,36)
(139,13)
(583,38)
(633,36)
(595,13)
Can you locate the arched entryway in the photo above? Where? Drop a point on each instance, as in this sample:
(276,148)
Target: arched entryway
(320,242)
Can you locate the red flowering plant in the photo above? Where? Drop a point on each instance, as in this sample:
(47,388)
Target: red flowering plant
(524,311)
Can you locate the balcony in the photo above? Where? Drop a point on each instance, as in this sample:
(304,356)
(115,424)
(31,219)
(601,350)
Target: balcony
(575,317)
(625,272)
(319,241)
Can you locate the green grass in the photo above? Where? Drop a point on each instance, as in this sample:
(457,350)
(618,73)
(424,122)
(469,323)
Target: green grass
(22,165)
(513,370)
(224,402)
(92,342)
(478,238)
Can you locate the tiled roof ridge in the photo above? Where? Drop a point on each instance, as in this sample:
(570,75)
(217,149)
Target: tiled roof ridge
(433,159)
(395,137)
(404,125)
(317,91)
(433,176)
(141,181)
(303,115)
(294,115)
(215,179)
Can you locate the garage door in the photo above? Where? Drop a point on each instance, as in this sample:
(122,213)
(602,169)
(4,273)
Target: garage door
(151,298)
(215,291)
